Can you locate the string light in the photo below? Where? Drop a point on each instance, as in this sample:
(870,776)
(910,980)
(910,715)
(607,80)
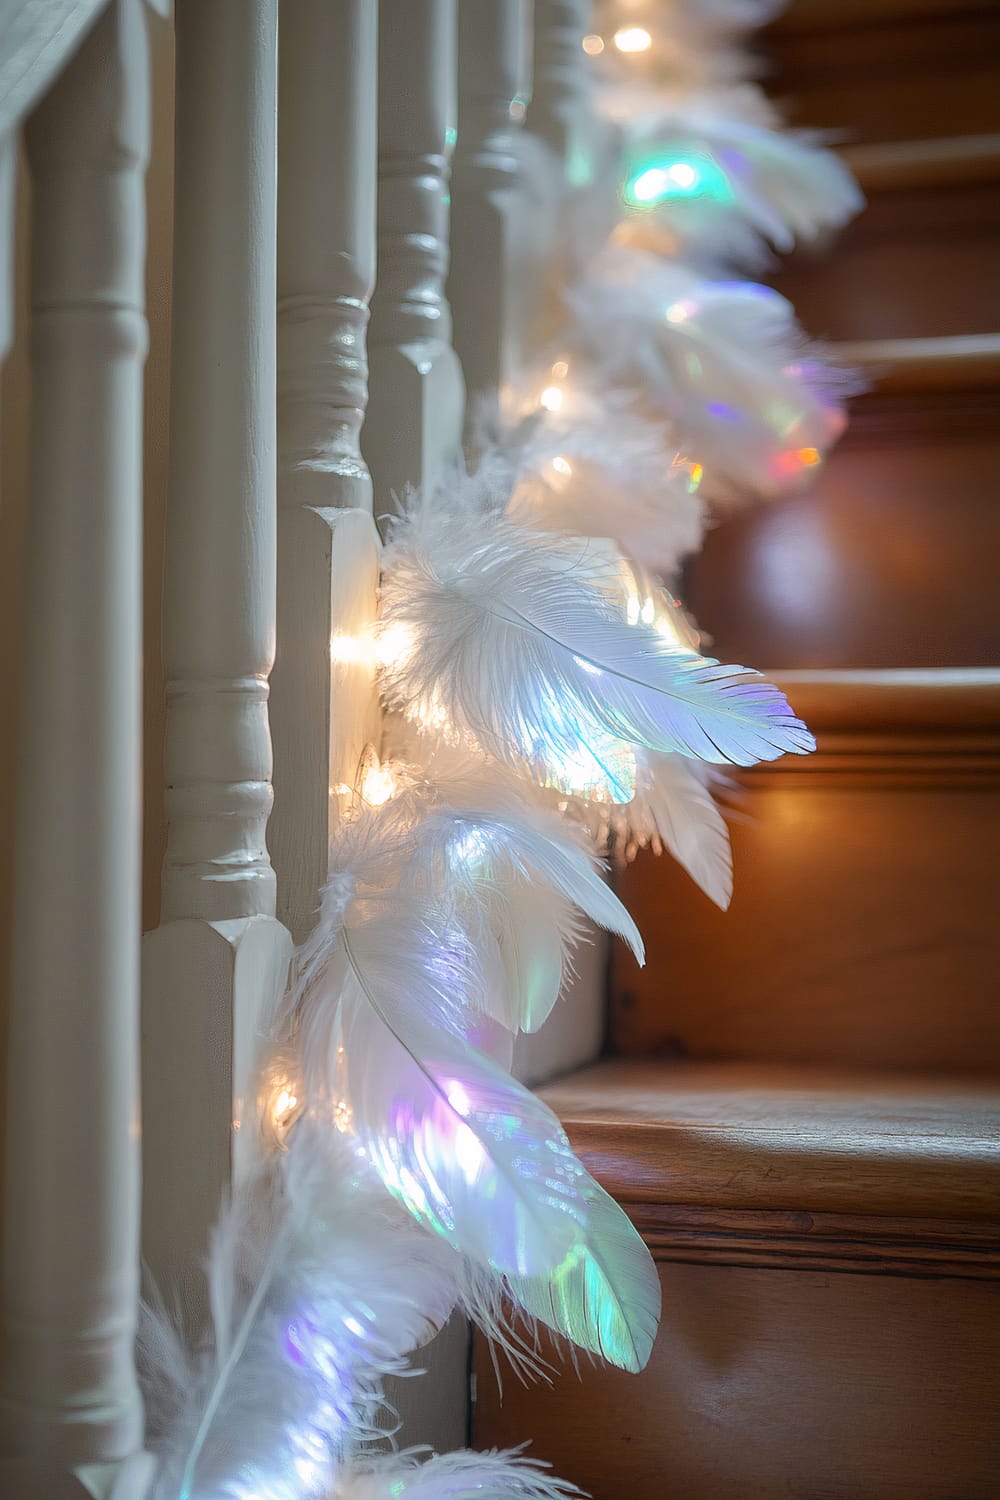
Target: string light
(593,45)
(633,39)
(551,398)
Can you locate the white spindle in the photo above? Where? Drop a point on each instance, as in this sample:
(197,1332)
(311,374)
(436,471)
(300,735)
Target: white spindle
(559,112)
(414,421)
(486,256)
(68,1393)
(323,712)
(8,177)
(219,957)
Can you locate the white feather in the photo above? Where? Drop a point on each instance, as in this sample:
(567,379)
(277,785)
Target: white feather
(522,641)
(673,809)
(315,1294)
(723,362)
(451,1476)
(380,1011)
(605,1297)
(781,186)
(608,472)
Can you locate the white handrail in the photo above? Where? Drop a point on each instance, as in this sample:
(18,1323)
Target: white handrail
(71,1191)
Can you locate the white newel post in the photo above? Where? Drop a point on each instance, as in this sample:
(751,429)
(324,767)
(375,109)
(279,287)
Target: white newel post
(69,1401)
(323,710)
(218,960)
(414,421)
(484,286)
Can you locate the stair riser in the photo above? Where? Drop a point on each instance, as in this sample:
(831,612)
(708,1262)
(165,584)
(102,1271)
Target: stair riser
(778,1385)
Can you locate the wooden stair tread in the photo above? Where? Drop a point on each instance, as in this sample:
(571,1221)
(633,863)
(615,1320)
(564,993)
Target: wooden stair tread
(901,366)
(746,1135)
(947,161)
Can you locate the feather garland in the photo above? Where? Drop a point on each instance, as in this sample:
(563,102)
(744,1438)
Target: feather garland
(451,1476)
(708,177)
(467,1150)
(520,641)
(605,472)
(605,1294)
(315,1294)
(723,362)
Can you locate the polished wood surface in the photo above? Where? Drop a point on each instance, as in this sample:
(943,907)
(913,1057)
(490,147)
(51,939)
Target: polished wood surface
(863,925)
(756,1187)
(771,1136)
(778,1385)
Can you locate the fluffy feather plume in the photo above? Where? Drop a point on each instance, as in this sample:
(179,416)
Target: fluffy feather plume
(709,179)
(379,1013)
(603,472)
(605,1295)
(723,362)
(508,867)
(451,1476)
(523,644)
(674,809)
(317,1289)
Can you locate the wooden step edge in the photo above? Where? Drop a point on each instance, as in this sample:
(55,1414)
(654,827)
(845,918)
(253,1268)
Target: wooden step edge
(914,700)
(964,362)
(804,17)
(705,1147)
(951,161)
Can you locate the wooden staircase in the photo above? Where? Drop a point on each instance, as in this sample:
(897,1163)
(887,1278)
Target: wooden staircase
(801,1111)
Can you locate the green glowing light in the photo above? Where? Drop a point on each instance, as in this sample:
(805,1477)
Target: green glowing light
(676,174)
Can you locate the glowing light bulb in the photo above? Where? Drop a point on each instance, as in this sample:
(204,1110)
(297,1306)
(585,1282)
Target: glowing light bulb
(551,398)
(593,45)
(348,649)
(560,369)
(393,645)
(649,186)
(683,174)
(633,39)
(378,785)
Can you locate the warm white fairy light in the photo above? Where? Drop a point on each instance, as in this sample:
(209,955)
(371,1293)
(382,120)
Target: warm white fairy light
(378,785)
(633,39)
(551,398)
(593,44)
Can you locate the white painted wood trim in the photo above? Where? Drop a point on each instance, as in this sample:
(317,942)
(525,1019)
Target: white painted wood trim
(68,1392)
(323,712)
(486,258)
(560,112)
(214,969)
(415,413)
(8,185)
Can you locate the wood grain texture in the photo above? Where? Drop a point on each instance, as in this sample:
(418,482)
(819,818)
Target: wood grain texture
(765,1136)
(778,1385)
(879,854)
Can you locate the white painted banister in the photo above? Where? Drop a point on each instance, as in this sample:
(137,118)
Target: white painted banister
(8,178)
(559,112)
(68,1393)
(486,256)
(414,421)
(218,960)
(323,711)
